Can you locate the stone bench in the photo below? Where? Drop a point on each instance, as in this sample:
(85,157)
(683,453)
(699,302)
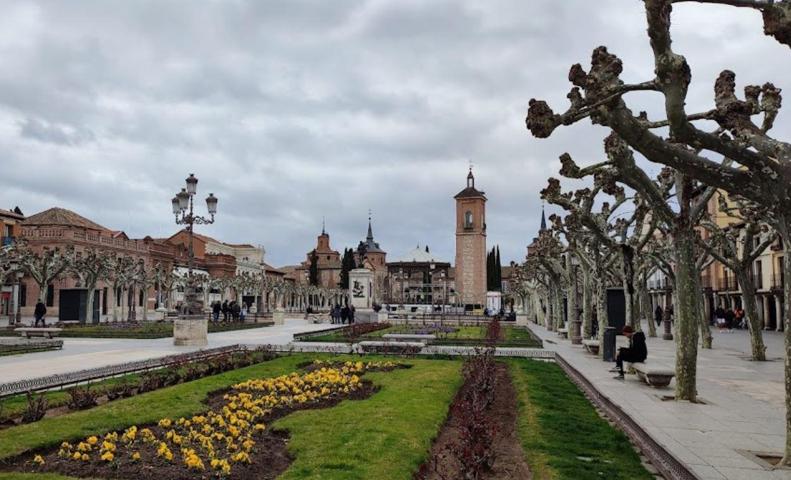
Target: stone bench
(592,346)
(407,337)
(654,375)
(48,332)
(563,332)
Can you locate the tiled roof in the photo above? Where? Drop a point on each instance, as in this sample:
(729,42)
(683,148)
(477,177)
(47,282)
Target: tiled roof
(9,213)
(61,216)
(470,192)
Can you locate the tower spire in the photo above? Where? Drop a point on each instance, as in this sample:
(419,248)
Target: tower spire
(543,219)
(470,178)
(323,232)
(370,236)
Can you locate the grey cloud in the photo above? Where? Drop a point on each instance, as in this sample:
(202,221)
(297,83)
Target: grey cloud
(290,111)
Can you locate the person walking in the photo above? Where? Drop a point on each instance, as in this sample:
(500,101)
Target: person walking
(636,352)
(215,310)
(658,312)
(235,310)
(719,317)
(336,314)
(738,319)
(39,313)
(243,312)
(351,314)
(224,310)
(344,314)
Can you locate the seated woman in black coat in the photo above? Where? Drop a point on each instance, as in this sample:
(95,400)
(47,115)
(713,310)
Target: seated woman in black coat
(636,352)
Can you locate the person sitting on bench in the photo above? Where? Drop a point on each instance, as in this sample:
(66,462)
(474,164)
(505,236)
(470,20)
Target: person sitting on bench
(636,352)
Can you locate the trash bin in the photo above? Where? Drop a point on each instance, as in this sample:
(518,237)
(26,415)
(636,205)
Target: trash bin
(609,344)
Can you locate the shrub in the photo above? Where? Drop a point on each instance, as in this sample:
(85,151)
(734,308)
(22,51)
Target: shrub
(122,390)
(81,398)
(36,408)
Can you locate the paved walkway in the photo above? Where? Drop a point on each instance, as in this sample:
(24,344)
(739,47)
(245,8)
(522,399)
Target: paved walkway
(744,410)
(82,353)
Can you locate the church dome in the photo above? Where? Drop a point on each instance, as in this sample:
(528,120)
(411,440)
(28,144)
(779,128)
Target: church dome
(419,255)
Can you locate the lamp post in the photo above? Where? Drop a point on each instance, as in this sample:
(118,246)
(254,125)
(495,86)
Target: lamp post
(13,268)
(194,332)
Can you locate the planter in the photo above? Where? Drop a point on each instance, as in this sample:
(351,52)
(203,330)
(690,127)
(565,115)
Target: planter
(191,331)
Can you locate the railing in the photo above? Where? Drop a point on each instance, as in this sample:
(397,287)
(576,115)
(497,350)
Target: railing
(778,281)
(62,380)
(728,284)
(705,281)
(47,233)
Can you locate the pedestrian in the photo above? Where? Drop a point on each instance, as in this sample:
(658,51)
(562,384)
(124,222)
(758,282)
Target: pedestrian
(729,316)
(351,314)
(224,310)
(243,312)
(336,314)
(719,317)
(635,353)
(39,313)
(738,319)
(215,310)
(236,311)
(658,312)
(344,314)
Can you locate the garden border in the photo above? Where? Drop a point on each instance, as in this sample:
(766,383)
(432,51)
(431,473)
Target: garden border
(50,382)
(665,462)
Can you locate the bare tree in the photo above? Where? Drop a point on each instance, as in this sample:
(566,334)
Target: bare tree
(764,163)
(737,247)
(90,267)
(44,267)
(122,271)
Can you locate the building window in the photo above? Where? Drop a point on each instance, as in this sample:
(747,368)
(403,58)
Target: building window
(104,301)
(140,300)
(468,219)
(50,295)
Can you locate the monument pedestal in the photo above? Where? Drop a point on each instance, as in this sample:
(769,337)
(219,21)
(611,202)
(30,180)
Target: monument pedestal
(191,331)
(279,317)
(521,319)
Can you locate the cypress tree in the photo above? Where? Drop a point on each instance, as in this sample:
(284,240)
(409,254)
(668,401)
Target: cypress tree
(314,269)
(498,268)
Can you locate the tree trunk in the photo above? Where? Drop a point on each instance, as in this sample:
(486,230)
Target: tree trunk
(646,311)
(42,293)
(627,253)
(587,303)
(785,233)
(89,302)
(750,304)
(705,328)
(687,293)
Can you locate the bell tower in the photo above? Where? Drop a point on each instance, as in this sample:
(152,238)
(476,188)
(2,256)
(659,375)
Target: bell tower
(471,244)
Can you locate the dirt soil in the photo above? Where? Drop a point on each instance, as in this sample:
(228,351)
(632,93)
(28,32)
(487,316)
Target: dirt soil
(269,457)
(509,461)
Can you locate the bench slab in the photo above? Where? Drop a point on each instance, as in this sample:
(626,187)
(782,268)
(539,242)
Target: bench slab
(654,375)
(591,346)
(38,332)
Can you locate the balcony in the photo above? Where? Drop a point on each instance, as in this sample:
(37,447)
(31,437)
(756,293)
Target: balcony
(7,241)
(727,284)
(705,281)
(778,281)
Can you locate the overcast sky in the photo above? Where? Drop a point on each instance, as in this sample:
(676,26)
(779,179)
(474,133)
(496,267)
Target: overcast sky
(293,110)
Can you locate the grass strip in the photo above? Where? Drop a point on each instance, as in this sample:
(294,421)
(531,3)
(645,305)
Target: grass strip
(386,436)
(562,434)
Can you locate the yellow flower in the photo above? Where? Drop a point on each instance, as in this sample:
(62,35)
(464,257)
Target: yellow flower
(136,456)
(92,440)
(85,457)
(38,459)
(108,456)
(76,456)
(165,423)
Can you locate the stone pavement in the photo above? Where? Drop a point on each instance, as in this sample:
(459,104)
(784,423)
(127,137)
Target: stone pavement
(83,353)
(744,403)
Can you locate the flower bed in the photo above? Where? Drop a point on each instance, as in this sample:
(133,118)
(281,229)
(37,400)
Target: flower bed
(31,408)
(231,440)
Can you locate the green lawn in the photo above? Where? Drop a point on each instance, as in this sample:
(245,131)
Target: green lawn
(385,436)
(514,336)
(562,435)
(146,330)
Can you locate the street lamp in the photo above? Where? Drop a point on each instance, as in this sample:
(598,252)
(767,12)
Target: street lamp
(183,209)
